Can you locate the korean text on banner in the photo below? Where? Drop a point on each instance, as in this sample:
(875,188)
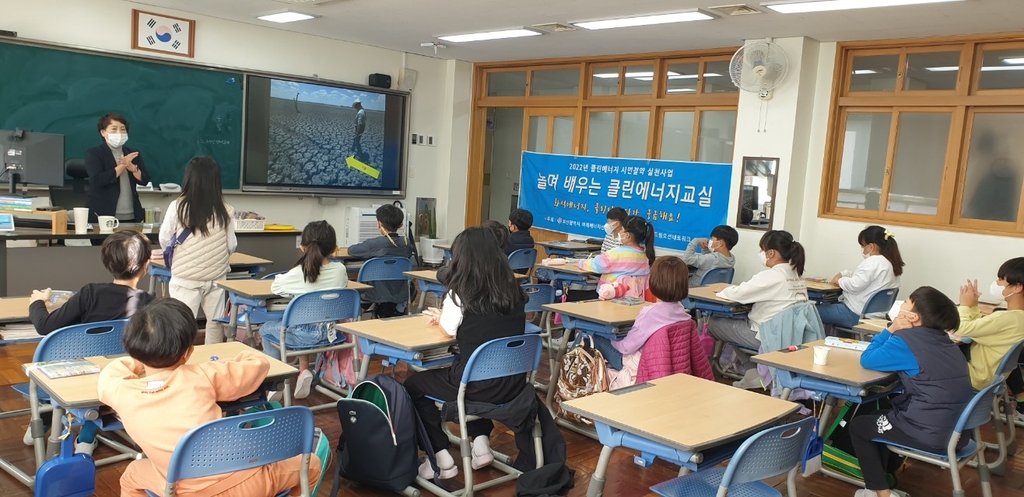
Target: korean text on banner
(572,194)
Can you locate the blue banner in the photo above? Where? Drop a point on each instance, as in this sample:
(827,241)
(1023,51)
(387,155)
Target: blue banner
(572,194)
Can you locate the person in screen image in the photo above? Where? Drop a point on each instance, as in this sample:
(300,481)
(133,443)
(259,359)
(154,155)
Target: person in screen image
(357,145)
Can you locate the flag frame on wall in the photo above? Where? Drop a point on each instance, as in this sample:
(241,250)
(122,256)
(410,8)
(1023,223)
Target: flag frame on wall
(163,34)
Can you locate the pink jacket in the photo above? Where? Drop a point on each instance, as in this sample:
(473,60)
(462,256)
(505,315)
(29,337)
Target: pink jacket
(674,349)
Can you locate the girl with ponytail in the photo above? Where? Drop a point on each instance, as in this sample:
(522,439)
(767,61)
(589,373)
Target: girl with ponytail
(630,263)
(313,272)
(770,291)
(880,270)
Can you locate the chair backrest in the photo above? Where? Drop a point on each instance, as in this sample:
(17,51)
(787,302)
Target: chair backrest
(771,452)
(322,306)
(880,302)
(75,169)
(717,275)
(1011,360)
(384,269)
(539,295)
(82,340)
(522,260)
(235,443)
(503,357)
(270,276)
(979,410)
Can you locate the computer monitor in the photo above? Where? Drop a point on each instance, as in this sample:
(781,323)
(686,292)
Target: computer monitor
(30,157)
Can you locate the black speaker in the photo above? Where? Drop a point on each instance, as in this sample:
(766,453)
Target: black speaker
(379,80)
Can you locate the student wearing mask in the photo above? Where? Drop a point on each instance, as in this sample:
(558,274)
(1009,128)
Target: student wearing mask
(616,215)
(715,253)
(880,270)
(114,172)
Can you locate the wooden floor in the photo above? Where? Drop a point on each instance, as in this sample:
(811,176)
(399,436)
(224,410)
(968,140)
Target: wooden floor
(624,478)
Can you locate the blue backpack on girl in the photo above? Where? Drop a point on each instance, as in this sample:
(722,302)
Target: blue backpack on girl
(169,249)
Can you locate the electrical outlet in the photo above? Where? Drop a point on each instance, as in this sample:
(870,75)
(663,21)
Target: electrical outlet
(430,141)
(412,172)
(421,139)
(414,137)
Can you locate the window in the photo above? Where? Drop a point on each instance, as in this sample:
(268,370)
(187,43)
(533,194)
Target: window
(506,84)
(717,136)
(677,135)
(600,134)
(605,81)
(682,78)
(633,127)
(928,145)
(639,80)
(717,79)
(553,82)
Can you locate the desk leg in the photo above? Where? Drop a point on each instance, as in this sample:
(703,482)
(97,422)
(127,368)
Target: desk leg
(3,268)
(232,327)
(56,427)
(555,363)
(36,425)
(786,392)
(596,487)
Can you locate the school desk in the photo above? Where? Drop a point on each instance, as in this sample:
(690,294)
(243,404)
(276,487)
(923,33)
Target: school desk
(705,299)
(822,292)
(241,266)
(447,248)
(563,248)
(79,393)
(565,275)
(255,294)
(603,318)
(409,339)
(870,327)
(842,378)
(685,420)
(426,282)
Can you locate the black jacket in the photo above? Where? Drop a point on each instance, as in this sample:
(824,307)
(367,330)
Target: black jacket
(519,240)
(94,302)
(105,186)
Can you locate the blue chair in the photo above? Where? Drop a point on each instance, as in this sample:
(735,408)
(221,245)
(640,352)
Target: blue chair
(718,275)
(1003,411)
(497,358)
(976,414)
(159,275)
(243,442)
(252,315)
(539,295)
(522,260)
(311,308)
(879,303)
(769,453)
(380,269)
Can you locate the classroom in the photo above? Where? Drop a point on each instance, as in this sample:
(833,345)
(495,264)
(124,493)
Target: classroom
(791,171)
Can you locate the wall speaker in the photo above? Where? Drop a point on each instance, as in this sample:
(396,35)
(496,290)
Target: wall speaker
(407,79)
(378,80)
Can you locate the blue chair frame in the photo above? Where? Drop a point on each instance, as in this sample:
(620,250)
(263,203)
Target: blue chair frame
(497,358)
(256,314)
(1003,412)
(523,260)
(880,302)
(386,269)
(977,413)
(237,443)
(718,275)
(317,307)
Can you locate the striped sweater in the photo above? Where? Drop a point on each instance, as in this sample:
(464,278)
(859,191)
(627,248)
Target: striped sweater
(624,264)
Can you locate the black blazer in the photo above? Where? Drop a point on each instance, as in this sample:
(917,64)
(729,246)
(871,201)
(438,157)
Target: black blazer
(105,186)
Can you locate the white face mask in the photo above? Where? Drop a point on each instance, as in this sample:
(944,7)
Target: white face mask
(115,140)
(996,289)
(711,247)
(608,228)
(865,255)
(761,256)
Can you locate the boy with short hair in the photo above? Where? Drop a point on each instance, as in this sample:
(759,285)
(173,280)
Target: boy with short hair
(159,398)
(519,223)
(715,253)
(387,295)
(612,227)
(995,334)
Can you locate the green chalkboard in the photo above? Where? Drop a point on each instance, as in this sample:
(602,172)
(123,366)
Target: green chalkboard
(174,112)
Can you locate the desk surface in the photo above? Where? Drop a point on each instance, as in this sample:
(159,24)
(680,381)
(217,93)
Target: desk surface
(603,312)
(80,391)
(260,289)
(407,332)
(45,234)
(571,268)
(843,365)
(684,412)
(444,246)
(567,245)
(709,293)
(821,286)
(15,309)
(341,253)
(430,275)
(872,326)
(236,260)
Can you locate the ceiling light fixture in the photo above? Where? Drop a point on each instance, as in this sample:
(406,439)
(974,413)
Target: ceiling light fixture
(983,69)
(1013,60)
(861,72)
(287,16)
(490,35)
(805,6)
(681,90)
(649,20)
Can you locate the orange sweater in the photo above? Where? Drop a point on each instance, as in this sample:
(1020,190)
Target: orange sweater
(158,410)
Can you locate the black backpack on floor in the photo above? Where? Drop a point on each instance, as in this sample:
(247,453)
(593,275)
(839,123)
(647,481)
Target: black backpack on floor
(380,434)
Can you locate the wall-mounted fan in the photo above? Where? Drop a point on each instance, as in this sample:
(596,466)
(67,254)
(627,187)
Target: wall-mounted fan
(759,67)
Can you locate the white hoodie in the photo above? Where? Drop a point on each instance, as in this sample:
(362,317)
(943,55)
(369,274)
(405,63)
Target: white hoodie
(771,291)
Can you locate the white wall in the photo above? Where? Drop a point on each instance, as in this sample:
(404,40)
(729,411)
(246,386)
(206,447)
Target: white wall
(440,102)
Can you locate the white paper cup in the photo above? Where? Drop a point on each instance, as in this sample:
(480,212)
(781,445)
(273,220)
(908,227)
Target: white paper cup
(81,220)
(821,355)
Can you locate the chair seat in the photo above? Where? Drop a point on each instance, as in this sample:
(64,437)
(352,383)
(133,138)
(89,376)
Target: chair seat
(705,484)
(967,451)
(277,341)
(22,388)
(256,317)
(532,329)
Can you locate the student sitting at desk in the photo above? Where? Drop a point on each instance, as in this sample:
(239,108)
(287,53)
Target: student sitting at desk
(616,215)
(501,234)
(386,295)
(159,398)
(483,302)
(716,252)
(880,270)
(314,271)
(770,291)
(519,223)
(630,263)
(126,255)
(995,334)
(668,284)
(934,376)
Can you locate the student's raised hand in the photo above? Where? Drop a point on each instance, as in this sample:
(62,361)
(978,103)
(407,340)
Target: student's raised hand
(969,294)
(43,295)
(435,315)
(703,244)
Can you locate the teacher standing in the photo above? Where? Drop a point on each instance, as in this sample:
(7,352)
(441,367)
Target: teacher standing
(114,172)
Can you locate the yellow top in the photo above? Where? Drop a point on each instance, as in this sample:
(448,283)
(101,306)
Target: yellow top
(993,335)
